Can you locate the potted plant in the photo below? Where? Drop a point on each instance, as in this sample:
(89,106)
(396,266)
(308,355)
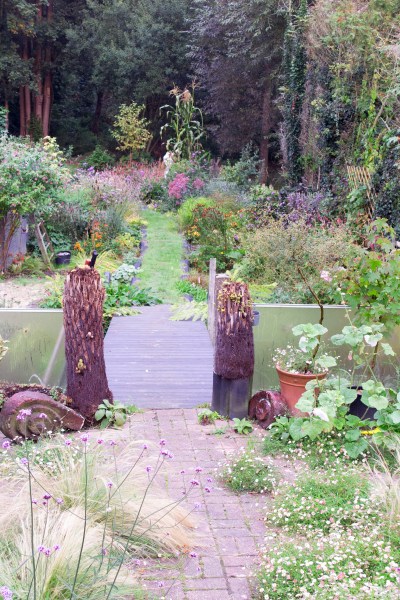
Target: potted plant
(296,366)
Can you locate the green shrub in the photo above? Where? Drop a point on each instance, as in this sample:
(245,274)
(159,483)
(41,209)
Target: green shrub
(156,193)
(198,293)
(100,159)
(185,212)
(274,253)
(124,273)
(250,473)
(245,170)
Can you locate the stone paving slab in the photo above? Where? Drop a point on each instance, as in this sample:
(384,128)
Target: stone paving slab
(230,527)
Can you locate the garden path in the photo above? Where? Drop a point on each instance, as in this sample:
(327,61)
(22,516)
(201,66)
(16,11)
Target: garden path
(230,527)
(154,362)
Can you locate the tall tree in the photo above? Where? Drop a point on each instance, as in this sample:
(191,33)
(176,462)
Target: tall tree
(236,54)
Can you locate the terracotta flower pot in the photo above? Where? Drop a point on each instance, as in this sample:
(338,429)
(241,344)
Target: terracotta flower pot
(293,385)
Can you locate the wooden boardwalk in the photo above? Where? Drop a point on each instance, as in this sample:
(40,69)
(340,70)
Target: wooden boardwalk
(154,362)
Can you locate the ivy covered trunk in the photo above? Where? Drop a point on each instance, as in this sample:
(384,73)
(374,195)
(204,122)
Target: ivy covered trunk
(234,351)
(84,345)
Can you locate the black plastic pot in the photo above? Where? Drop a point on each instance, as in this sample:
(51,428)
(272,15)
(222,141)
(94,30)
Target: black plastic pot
(358,408)
(256,315)
(63,258)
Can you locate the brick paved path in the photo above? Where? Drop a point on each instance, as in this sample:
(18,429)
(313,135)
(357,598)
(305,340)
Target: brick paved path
(230,526)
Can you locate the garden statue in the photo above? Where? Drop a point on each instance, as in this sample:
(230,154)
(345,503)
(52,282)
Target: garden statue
(234,351)
(168,161)
(84,345)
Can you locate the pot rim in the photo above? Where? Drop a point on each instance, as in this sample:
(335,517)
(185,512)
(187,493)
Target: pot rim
(305,375)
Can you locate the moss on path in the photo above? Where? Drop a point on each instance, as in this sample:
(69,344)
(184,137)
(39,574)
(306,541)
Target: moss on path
(162,266)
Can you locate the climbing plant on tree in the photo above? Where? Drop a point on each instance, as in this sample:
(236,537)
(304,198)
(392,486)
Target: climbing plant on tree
(294,67)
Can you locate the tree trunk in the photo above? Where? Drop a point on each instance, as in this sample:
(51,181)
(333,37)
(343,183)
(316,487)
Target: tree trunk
(265,130)
(26,93)
(7,121)
(97,113)
(47,104)
(38,70)
(22,114)
(48,78)
(84,346)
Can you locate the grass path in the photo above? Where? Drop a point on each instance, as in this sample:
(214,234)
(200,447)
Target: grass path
(161,266)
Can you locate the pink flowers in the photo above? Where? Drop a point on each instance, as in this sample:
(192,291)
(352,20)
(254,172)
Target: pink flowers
(23,413)
(326,276)
(178,186)
(198,184)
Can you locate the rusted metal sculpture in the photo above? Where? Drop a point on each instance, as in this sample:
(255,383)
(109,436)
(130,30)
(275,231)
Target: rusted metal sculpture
(29,414)
(234,351)
(265,406)
(87,383)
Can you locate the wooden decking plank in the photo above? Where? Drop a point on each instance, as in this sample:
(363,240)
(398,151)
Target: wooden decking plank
(154,362)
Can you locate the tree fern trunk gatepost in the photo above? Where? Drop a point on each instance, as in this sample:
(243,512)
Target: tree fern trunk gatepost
(234,351)
(84,344)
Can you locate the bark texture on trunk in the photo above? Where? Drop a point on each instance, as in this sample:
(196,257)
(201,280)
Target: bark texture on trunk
(265,131)
(234,349)
(87,383)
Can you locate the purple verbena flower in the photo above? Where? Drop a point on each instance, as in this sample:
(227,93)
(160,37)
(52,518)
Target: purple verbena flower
(6,592)
(6,444)
(23,413)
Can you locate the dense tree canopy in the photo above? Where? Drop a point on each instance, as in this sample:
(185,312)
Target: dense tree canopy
(313,83)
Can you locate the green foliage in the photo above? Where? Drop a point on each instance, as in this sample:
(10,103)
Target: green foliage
(386,182)
(274,253)
(155,193)
(242,426)
(370,284)
(294,67)
(123,243)
(30,174)
(120,295)
(113,414)
(206,416)
(186,215)
(190,311)
(198,293)
(100,159)
(130,128)
(185,122)
(355,561)
(3,120)
(250,473)
(334,498)
(214,234)
(125,273)
(245,170)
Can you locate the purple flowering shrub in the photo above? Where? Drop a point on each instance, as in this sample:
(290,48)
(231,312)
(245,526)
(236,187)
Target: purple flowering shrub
(88,511)
(266,204)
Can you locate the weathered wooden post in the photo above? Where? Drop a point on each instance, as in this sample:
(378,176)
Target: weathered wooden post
(234,351)
(84,345)
(214,286)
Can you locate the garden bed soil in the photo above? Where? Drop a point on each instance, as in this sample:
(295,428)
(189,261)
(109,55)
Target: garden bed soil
(24,294)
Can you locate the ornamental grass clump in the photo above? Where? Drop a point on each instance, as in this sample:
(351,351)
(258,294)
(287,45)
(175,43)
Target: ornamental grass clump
(250,473)
(78,514)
